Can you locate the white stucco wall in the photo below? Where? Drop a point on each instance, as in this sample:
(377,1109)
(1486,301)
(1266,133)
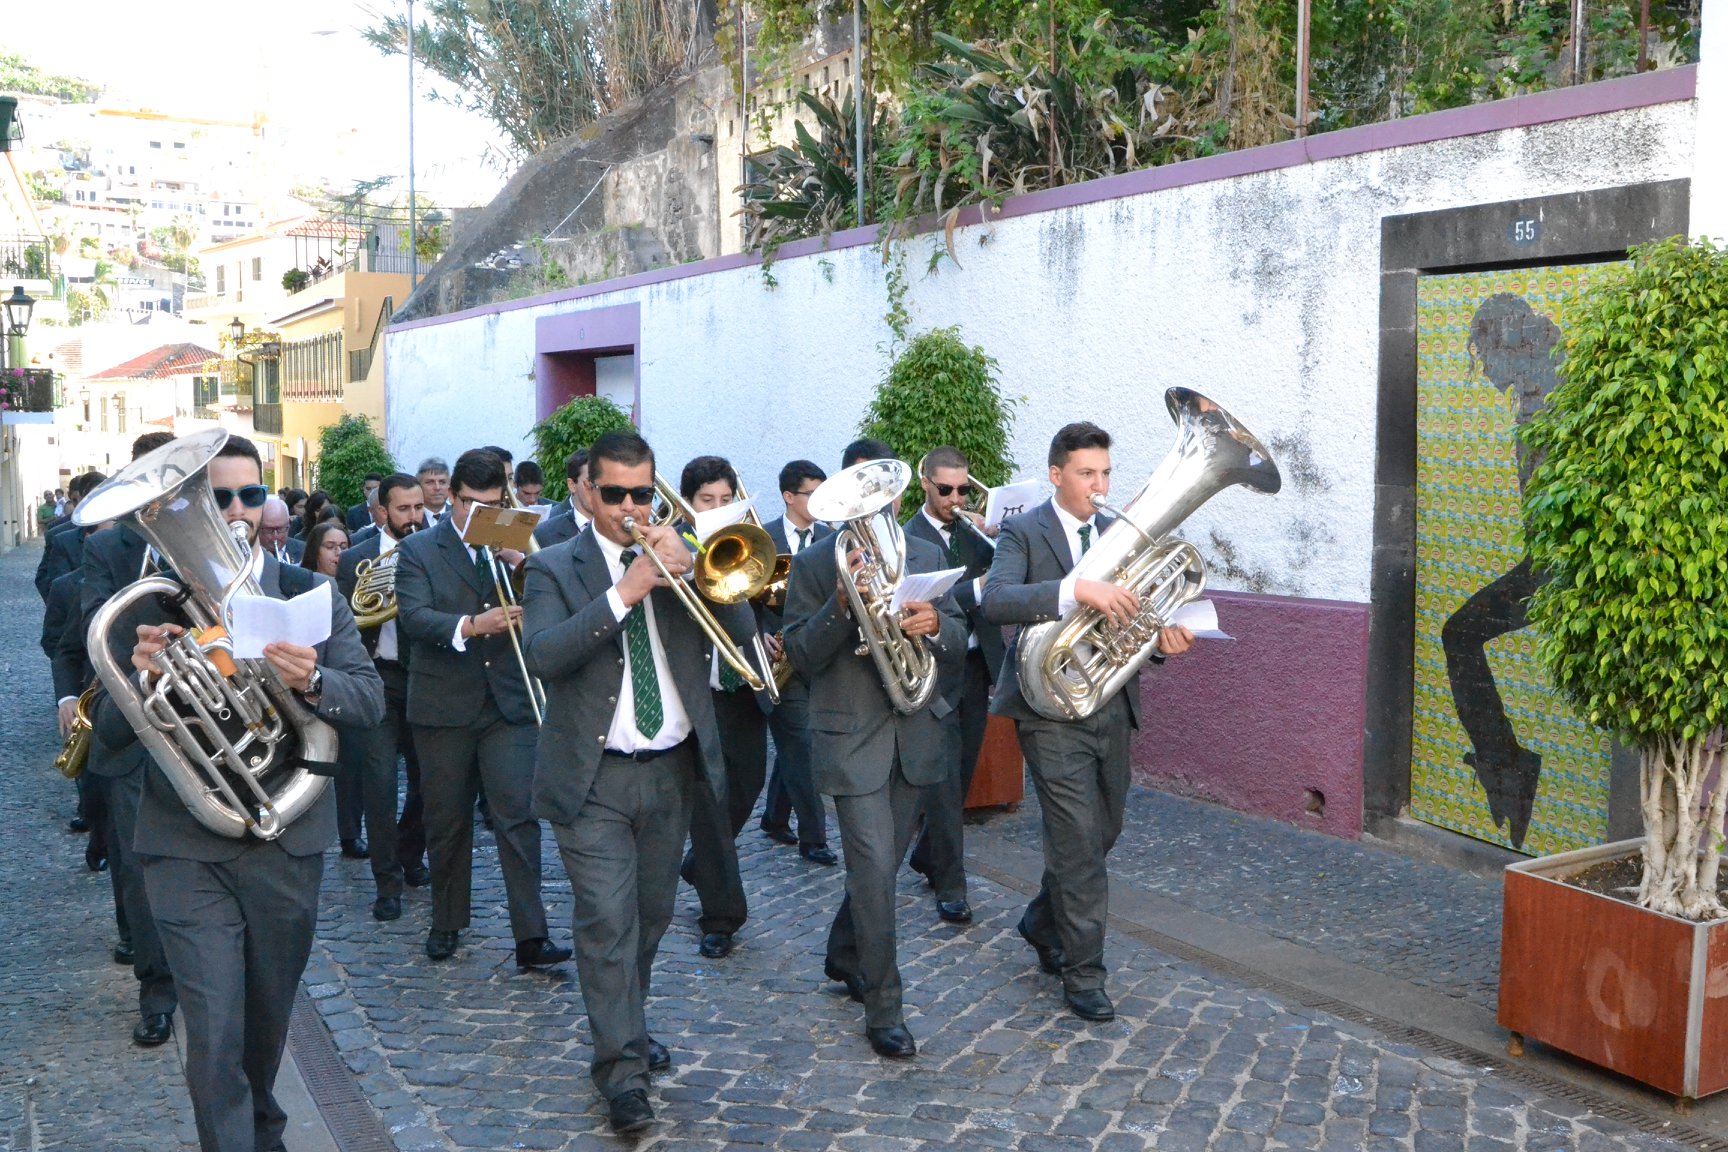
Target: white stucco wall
(1262,291)
(1710,174)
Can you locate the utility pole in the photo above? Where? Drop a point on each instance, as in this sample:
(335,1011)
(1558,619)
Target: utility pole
(413,219)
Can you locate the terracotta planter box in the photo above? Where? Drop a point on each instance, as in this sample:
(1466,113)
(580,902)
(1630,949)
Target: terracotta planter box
(1637,992)
(1000,778)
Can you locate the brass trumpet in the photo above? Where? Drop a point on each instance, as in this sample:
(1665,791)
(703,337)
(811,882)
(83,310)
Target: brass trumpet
(76,753)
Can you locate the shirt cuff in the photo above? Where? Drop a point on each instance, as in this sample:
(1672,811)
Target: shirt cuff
(619,611)
(978,589)
(1065,600)
(456,641)
(63,700)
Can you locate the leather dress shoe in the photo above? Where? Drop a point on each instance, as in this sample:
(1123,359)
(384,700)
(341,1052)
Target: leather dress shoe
(629,1111)
(1052,960)
(77,824)
(780,835)
(854,984)
(416,876)
(954,911)
(123,953)
(539,952)
(818,854)
(95,856)
(687,870)
(440,945)
(1092,1004)
(659,1060)
(387,908)
(895,1043)
(354,849)
(716,944)
(154,1029)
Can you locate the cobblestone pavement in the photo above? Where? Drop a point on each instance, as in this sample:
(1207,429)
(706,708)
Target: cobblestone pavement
(471,1053)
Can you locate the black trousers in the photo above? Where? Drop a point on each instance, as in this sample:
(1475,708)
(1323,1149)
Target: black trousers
(792,788)
(156,993)
(712,862)
(941,850)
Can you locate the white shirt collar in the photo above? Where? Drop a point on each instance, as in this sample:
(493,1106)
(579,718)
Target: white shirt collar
(612,550)
(924,510)
(1069,523)
(386,542)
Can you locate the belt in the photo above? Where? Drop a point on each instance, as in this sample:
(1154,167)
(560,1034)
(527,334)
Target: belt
(644,755)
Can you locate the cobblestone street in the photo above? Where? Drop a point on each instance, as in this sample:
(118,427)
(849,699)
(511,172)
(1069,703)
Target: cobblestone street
(470,1053)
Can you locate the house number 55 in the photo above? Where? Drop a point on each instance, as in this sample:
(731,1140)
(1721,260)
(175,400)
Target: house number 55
(1525,232)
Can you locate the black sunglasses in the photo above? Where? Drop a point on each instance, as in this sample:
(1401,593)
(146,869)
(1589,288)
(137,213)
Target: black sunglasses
(615,493)
(950,489)
(251,496)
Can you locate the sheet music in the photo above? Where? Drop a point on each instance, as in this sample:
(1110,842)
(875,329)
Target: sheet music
(1201,618)
(924,587)
(711,521)
(1011,500)
(261,620)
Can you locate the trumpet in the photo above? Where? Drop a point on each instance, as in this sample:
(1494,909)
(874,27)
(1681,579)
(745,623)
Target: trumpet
(76,752)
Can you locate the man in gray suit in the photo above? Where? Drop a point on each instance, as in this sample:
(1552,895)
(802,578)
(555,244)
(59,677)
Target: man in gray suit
(871,759)
(273,533)
(630,737)
(571,514)
(236,916)
(472,719)
(434,477)
(1079,768)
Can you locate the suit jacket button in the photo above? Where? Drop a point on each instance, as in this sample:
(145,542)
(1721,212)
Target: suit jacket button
(611,699)
(487,663)
(601,740)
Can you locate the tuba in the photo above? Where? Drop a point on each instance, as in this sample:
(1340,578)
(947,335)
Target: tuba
(861,499)
(1069,668)
(234,741)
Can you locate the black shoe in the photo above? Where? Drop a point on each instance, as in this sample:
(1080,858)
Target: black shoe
(716,944)
(77,824)
(416,876)
(687,870)
(780,834)
(818,854)
(1092,1004)
(154,1029)
(440,945)
(854,984)
(387,908)
(1051,960)
(123,953)
(354,849)
(954,911)
(539,953)
(895,1043)
(95,855)
(629,1111)
(659,1060)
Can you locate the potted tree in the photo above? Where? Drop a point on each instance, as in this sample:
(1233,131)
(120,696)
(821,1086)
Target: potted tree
(1619,954)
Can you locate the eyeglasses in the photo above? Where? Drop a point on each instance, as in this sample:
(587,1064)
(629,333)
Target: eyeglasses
(950,489)
(806,493)
(615,494)
(251,496)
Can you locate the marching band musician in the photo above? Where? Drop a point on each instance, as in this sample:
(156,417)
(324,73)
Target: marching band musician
(871,759)
(471,717)
(236,915)
(1079,768)
(434,477)
(630,737)
(571,514)
(397,848)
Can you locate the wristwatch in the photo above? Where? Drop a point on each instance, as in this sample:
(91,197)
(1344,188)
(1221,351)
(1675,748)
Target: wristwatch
(314,686)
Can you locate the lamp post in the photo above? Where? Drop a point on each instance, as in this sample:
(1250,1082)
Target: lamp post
(413,230)
(18,308)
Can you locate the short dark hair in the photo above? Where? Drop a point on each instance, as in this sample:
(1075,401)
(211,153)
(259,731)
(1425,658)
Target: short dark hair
(529,472)
(574,463)
(241,447)
(792,476)
(394,481)
(81,485)
(378,476)
(946,456)
(503,454)
(479,470)
(864,449)
(1070,438)
(626,448)
(149,442)
(705,470)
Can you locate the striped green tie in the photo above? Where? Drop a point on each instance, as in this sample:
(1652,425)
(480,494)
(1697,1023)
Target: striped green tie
(644,684)
(1085,531)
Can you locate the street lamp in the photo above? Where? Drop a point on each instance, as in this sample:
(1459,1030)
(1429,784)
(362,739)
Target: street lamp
(236,330)
(18,309)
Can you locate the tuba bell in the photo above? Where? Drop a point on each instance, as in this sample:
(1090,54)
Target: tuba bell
(861,499)
(234,741)
(1069,668)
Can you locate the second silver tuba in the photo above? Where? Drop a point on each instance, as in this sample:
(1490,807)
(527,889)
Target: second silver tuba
(1070,668)
(861,500)
(230,736)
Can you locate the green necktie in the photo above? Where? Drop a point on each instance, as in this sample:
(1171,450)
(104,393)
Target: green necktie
(644,684)
(1085,539)
(483,565)
(730,681)
(954,556)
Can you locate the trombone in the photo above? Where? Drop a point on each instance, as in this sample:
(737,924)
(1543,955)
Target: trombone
(504,583)
(975,504)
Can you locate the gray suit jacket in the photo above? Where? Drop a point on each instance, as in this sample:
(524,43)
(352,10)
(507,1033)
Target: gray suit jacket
(977,556)
(436,585)
(576,647)
(854,730)
(558,527)
(1024,587)
(352,697)
(361,535)
(62,551)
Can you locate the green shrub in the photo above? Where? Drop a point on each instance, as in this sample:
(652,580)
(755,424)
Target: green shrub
(347,451)
(573,427)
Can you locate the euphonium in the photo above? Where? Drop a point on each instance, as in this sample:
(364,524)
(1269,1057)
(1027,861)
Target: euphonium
(230,736)
(76,752)
(374,599)
(861,499)
(1069,668)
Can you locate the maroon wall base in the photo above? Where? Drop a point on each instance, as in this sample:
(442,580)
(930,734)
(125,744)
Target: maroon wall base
(1270,722)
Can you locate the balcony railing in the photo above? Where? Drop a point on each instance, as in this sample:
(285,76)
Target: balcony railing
(28,390)
(314,370)
(26,257)
(267,418)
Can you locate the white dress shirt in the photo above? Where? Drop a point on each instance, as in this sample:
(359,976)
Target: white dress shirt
(946,532)
(387,648)
(458,641)
(793,544)
(675,724)
(1071,527)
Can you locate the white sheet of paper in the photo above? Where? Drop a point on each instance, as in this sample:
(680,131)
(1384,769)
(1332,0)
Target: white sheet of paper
(711,521)
(1011,500)
(261,620)
(924,587)
(1201,618)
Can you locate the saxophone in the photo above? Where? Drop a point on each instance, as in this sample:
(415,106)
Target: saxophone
(76,753)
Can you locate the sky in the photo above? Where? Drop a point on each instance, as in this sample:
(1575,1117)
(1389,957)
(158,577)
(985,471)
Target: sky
(337,105)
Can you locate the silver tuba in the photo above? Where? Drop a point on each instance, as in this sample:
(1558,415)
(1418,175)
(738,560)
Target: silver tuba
(229,734)
(861,500)
(1069,668)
